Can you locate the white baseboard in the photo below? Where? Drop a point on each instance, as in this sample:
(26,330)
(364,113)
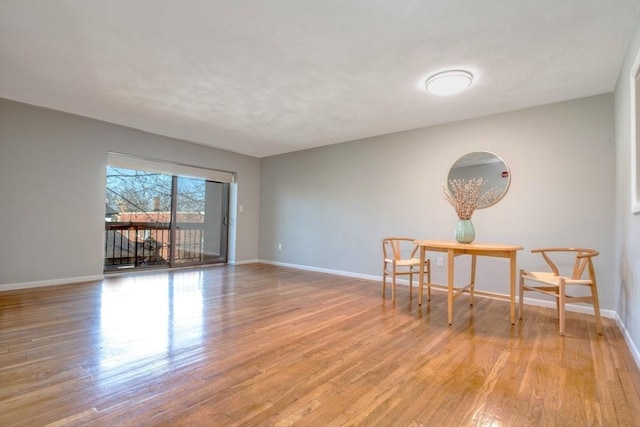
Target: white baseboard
(323,270)
(627,337)
(247,261)
(53,282)
(577,308)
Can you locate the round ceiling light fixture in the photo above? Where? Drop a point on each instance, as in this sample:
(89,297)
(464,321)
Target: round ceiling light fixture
(449,82)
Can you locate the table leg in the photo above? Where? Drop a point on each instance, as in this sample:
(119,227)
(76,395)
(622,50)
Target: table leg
(473,277)
(512,289)
(450,261)
(421,275)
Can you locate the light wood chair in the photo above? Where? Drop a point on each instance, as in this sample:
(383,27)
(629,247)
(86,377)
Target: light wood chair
(399,254)
(554,284)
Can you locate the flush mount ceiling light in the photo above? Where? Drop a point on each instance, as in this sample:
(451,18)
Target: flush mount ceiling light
(449,82)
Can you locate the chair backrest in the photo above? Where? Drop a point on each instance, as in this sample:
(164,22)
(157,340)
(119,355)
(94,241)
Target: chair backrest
(583,259)
(399,247)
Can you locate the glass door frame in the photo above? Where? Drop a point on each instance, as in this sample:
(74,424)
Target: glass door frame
(224,235)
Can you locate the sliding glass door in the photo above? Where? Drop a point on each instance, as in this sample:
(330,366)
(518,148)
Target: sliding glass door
(158,220)
(201,221)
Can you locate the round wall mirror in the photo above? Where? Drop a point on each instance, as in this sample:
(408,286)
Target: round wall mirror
(483,164)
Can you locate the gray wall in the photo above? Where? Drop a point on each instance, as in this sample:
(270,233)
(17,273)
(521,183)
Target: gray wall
(52,190)
(627,243)
(330,207)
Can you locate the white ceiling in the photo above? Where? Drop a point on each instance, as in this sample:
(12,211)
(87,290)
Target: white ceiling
(268,77)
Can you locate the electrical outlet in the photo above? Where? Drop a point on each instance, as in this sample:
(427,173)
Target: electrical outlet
(440,262)
(279,246)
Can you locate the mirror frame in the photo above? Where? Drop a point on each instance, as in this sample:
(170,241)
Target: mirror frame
(506,167)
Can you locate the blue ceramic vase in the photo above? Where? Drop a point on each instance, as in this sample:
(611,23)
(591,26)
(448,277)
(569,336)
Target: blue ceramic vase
(465,232)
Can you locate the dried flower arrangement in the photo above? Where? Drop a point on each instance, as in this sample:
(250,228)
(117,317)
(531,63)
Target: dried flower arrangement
(465,196)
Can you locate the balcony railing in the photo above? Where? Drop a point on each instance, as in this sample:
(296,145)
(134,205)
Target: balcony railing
(146,244)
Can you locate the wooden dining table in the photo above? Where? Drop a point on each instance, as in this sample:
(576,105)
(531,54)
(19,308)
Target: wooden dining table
(455,249)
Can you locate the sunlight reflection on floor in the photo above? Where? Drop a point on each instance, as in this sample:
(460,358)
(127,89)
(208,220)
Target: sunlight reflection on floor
(149,316)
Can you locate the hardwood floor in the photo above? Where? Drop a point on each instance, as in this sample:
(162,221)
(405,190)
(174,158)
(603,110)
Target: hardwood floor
(259,345)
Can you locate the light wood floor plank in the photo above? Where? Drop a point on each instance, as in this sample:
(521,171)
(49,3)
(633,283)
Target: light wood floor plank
(259,345)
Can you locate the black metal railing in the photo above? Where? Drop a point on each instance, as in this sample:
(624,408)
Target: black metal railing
(146,244)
